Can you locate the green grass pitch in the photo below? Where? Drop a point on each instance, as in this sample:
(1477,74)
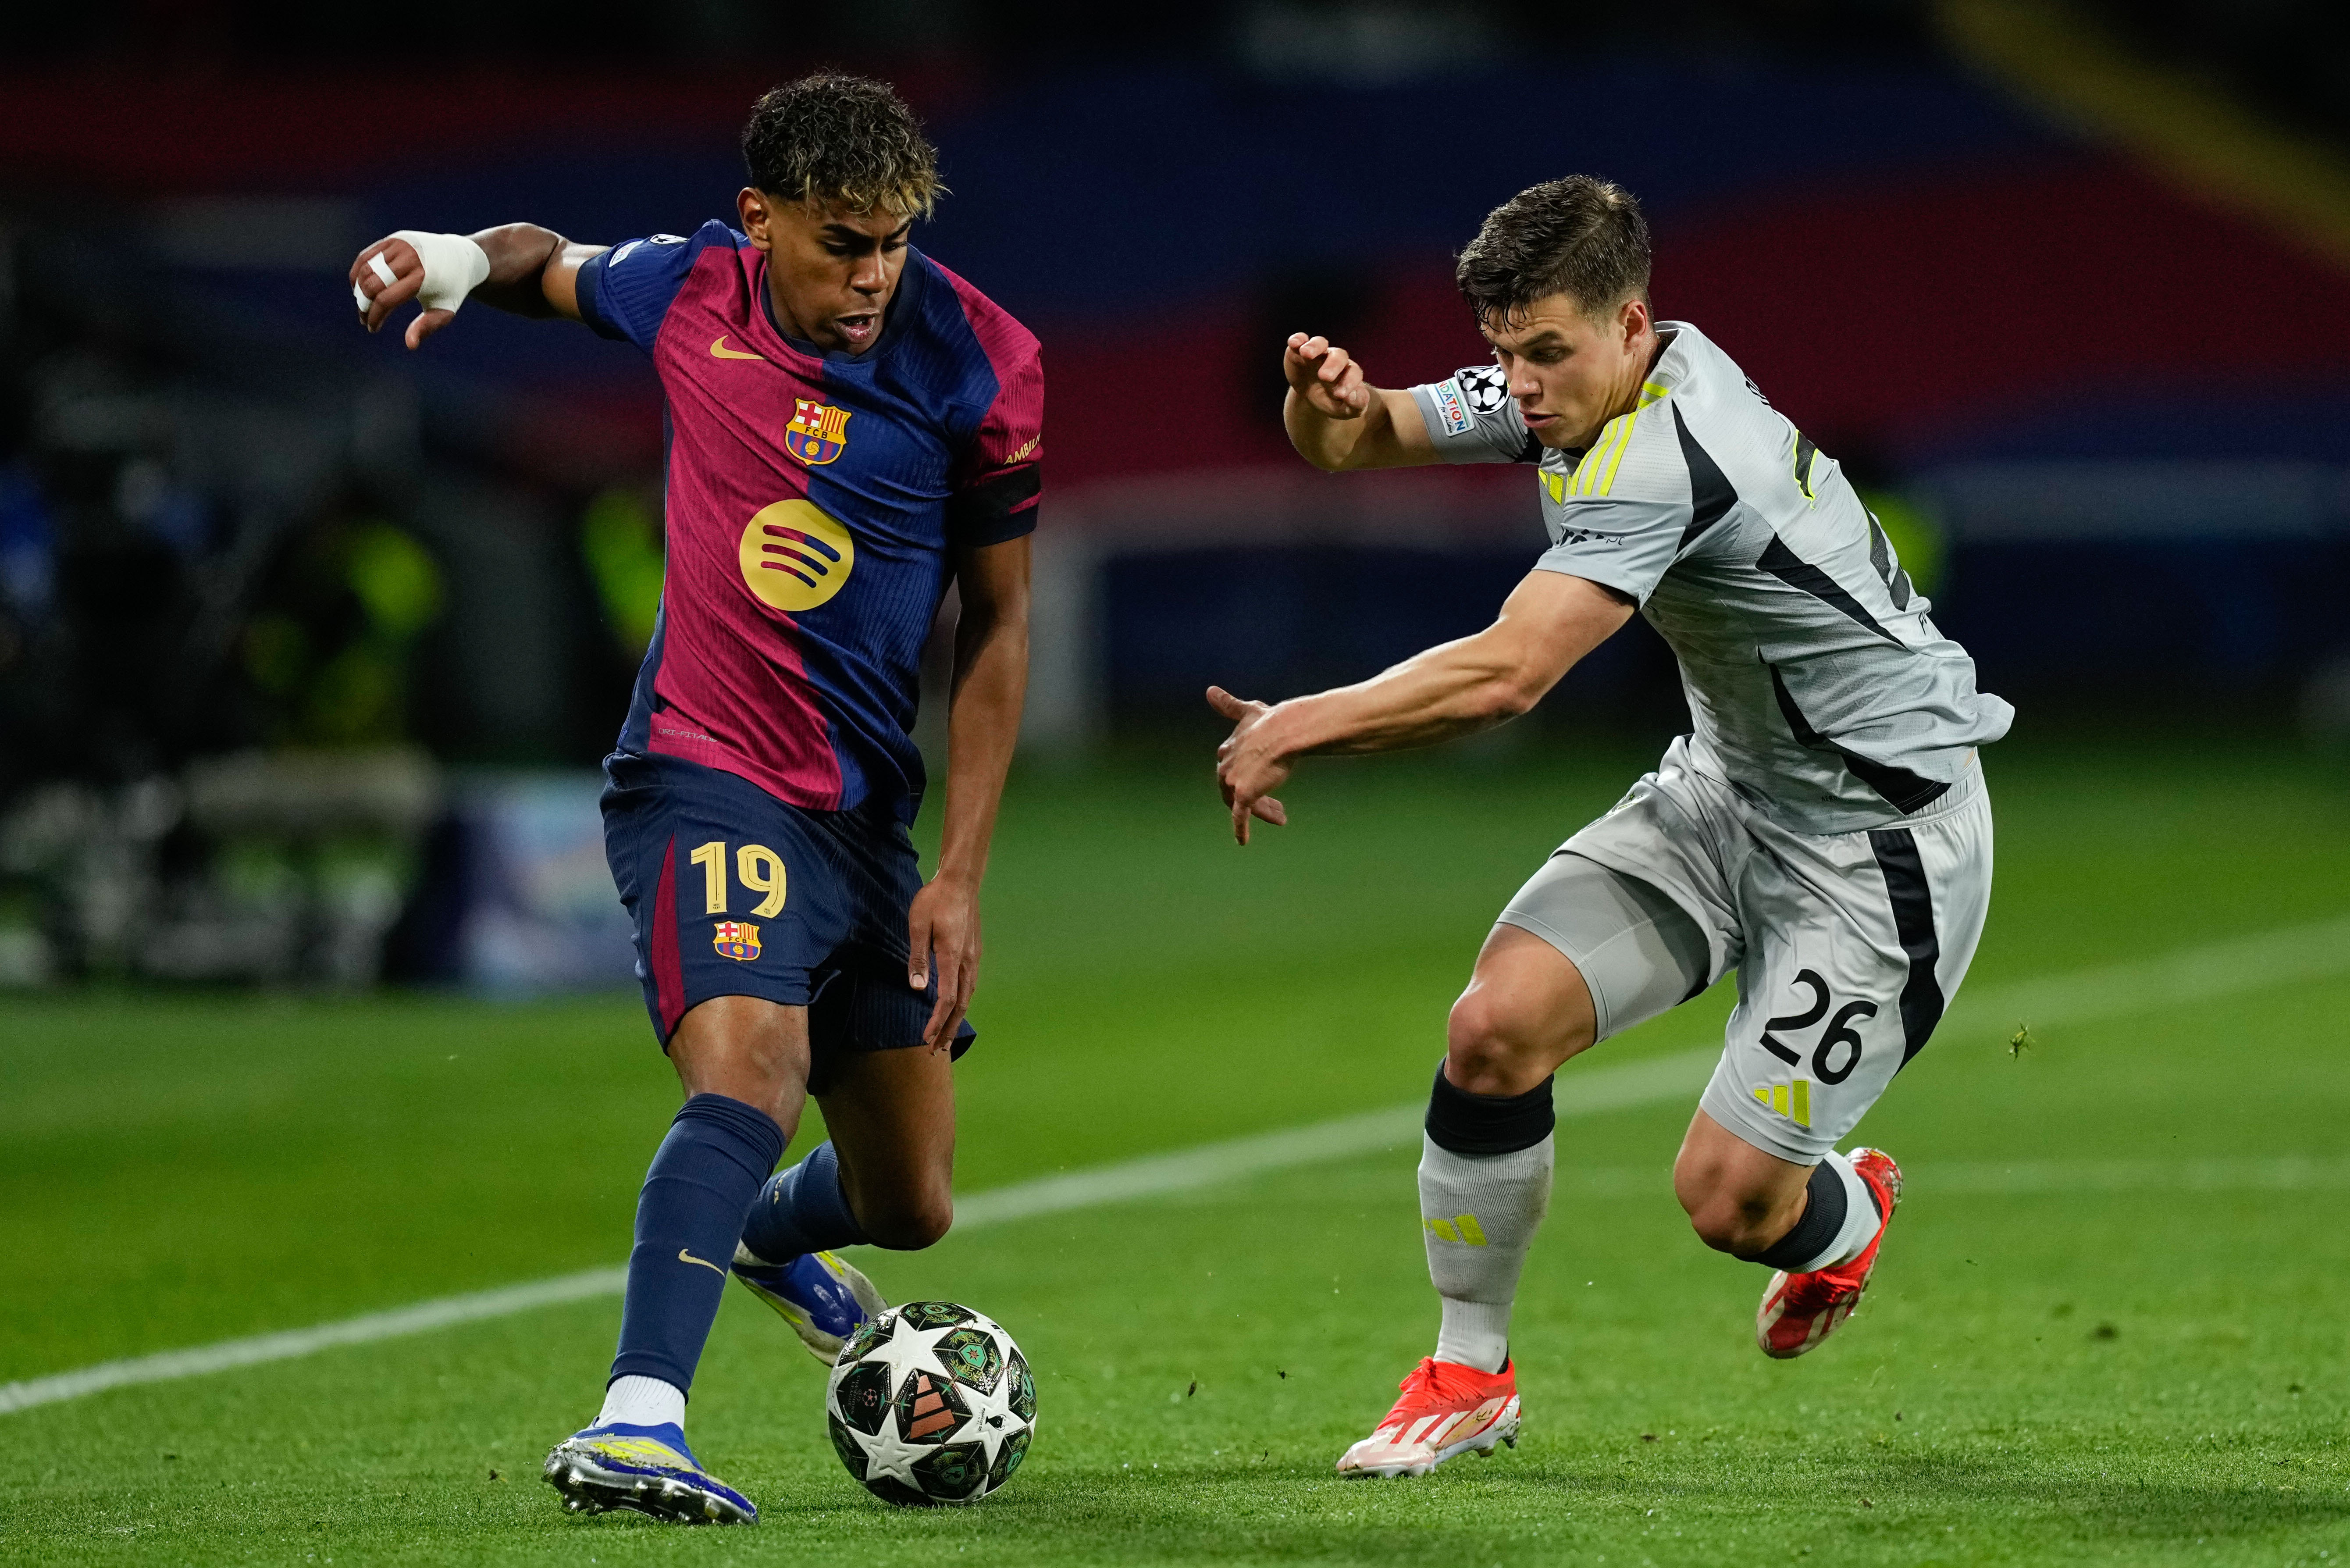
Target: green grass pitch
(2121,1369)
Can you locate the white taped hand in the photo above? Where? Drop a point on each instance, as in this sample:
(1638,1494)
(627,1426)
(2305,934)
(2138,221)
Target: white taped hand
(454,267)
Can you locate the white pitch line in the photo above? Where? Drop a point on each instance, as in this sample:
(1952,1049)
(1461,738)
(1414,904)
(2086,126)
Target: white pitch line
(2285,1173)
(284,1346)
(1208,1165)
(1204,1164)
(2283,957)
(2197,974)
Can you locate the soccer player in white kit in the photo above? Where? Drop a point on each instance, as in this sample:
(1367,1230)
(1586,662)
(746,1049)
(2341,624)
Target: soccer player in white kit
(1824,829)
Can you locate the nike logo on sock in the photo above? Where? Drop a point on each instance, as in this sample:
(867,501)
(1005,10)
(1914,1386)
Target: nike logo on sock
(685,1257)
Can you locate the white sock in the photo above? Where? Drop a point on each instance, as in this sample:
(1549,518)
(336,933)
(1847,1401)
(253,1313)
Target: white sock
(643,1402)
(1479,1215)
(1474,1333)
(1861,1219)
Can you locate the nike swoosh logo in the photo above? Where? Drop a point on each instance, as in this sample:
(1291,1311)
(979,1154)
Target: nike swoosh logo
(683,1255)
(718,350)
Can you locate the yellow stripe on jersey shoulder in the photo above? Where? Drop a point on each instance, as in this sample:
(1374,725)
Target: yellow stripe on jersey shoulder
(1596,474)
(1616,453)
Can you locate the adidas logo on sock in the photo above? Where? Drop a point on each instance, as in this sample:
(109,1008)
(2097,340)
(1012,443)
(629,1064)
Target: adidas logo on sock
(1461,1228)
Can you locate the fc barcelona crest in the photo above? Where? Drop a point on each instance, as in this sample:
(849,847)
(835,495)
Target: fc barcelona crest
(818,433)
(737,939)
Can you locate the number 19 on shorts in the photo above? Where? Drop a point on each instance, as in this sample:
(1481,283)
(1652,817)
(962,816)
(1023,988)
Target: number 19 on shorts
(759,868)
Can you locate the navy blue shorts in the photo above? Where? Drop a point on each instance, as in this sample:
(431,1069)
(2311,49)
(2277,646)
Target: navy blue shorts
(735,893)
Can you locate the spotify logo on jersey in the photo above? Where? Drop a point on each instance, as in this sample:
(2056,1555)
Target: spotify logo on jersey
(794,557)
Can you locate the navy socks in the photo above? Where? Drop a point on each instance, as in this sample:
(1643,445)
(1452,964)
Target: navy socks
(688,1218)
(802,1210)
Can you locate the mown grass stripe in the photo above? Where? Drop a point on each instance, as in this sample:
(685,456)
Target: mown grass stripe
(2197,974)
(1937,1179)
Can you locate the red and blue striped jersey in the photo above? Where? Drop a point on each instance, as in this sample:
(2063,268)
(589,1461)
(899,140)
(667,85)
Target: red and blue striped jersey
(814,501)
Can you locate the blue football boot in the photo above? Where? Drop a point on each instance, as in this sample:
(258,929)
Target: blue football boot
(648,1469)
(824,1299)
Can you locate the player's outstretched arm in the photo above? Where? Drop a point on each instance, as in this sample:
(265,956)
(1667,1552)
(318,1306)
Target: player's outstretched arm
(1550,621)
(1337,421)
(517,267)
(991,684)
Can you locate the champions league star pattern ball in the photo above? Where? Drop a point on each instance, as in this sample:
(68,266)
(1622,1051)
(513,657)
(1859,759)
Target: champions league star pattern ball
(931,1402)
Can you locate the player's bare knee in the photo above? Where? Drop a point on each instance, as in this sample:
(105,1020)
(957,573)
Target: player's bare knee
(1525,1011)
(916,1229)
(1715,1211)
(1724,1230)
(1487,1050)
(746,1049)
(1740,1224)
(910,1222)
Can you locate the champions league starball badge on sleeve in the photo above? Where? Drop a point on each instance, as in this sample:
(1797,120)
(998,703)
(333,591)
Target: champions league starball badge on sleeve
(1484,388)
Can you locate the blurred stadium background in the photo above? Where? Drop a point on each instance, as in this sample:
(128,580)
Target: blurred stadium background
(314,993)
(308,646)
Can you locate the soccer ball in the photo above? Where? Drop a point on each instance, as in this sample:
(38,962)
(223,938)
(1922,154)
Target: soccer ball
(931,1402)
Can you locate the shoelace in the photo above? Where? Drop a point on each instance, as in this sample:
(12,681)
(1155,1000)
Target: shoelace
(1435,1382)
(1808,1292)
(1822,1287)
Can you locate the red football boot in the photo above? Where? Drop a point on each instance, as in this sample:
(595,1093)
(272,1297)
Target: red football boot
(1446,1409)
(1799,1310)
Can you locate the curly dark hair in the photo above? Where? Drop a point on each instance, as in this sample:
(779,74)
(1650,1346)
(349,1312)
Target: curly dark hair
(1580,236)
(832,138)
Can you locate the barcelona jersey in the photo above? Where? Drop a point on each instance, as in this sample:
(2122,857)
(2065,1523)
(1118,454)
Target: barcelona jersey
(813,503)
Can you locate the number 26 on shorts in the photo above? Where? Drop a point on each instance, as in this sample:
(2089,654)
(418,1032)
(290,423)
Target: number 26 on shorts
(1837,1053)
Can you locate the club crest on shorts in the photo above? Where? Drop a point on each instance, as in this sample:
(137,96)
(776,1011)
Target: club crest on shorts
(737,939)
(818,432)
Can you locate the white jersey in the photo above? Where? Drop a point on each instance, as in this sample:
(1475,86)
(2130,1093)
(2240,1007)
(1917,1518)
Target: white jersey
(1819,687)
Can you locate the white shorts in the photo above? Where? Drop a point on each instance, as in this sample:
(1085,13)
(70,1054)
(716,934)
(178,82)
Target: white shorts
(1848,946)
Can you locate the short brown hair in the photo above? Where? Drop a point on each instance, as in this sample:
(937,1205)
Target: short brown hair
(1580,236)
(832,138)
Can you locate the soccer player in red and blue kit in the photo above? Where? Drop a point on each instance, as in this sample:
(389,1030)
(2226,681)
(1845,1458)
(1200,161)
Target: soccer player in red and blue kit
(849,426)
